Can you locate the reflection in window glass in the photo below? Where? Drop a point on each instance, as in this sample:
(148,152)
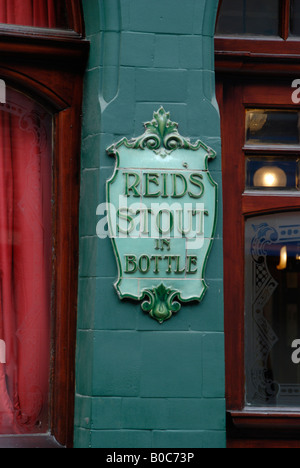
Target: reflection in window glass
(25,264)
(38,13)
(273,173)
(272,127)
(272,309)
(252,17)
(295,18)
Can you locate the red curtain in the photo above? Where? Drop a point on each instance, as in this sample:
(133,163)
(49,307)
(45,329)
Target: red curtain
(39,13)
(25,265)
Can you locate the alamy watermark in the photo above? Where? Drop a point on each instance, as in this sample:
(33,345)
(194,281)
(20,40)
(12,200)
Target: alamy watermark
(2,92)
(154,221)
(296,354)
(2,352)
(296,93)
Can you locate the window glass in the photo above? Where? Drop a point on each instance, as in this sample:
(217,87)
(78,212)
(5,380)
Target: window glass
(25,264)
(272,127)
(273,173)
(38,13)
(295,18)
(249,17)
(272,310)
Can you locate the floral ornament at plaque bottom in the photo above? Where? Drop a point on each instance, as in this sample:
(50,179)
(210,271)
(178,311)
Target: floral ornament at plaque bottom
(162,304)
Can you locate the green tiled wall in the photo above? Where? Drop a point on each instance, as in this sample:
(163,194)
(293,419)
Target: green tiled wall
(140,384)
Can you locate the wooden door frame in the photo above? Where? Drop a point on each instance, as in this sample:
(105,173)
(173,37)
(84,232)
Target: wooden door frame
(247,427)
(50,70)
(239,58)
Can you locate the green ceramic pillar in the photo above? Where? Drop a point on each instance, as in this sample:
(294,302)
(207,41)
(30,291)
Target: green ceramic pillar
(144,383)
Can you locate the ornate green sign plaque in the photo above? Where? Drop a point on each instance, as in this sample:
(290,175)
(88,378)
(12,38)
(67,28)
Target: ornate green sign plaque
(162,215)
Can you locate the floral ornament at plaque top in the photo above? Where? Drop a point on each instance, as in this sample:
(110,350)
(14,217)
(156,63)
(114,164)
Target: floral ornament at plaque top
(161,136)
(159,168)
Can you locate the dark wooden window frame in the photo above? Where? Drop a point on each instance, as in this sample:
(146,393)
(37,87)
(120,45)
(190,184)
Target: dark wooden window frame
(284,15)
(246,422)
(49,65)
(75,25)
(249,60)
(255,54)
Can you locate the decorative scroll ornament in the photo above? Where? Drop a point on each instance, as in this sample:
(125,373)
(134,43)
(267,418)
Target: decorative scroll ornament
(263,386)
(161,136)
(161,306)
(162,205)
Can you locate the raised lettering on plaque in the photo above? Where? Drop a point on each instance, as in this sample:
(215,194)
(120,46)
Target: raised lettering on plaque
(162,215)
